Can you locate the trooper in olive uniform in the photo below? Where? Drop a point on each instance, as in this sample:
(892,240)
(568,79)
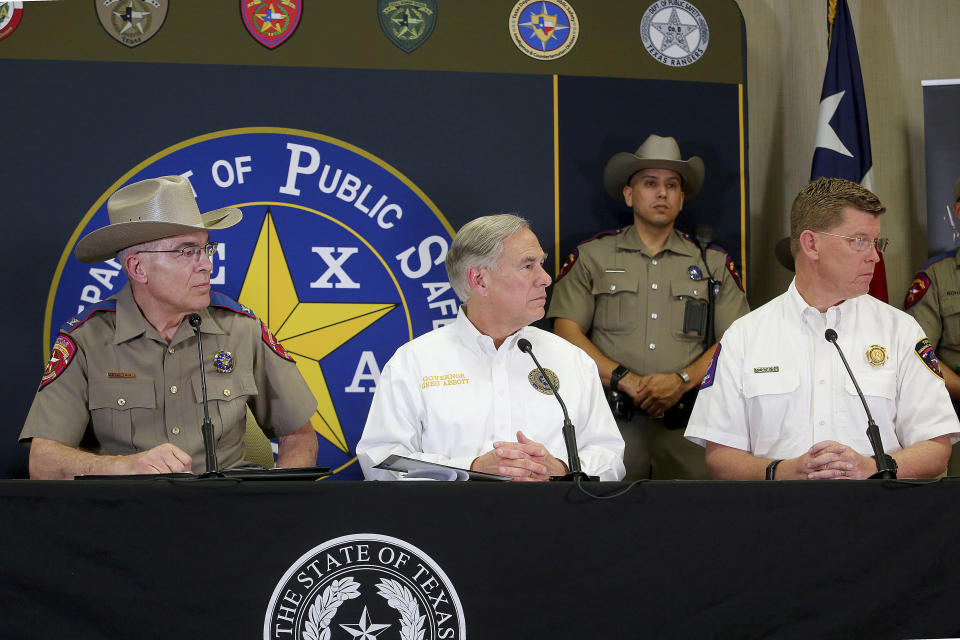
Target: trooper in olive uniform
(933,299)
(121,392)
(622,298)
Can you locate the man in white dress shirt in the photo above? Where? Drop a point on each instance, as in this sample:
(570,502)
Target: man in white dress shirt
(777,402)
(464,395)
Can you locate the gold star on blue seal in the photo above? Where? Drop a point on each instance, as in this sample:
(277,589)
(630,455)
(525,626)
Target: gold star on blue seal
(538,382)
(223,361)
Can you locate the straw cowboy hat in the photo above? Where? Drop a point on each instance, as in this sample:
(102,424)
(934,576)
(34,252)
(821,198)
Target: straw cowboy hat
(150,210)
(655,153)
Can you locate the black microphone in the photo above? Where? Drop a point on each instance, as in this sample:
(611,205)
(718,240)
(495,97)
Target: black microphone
(873,431)
(569,434)
(209,447)
(704,236)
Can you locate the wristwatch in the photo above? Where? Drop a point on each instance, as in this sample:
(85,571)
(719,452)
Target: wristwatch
(684,376)
(617,376)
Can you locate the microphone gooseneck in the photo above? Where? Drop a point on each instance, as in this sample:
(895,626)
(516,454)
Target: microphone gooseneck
(873,431)
(206,429)
(569,434)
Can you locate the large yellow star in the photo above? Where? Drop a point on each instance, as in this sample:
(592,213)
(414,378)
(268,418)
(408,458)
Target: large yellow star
(308,330)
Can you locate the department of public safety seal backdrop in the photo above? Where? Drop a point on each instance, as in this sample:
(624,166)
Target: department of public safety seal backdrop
(674,32)
(364,585)
(338,253)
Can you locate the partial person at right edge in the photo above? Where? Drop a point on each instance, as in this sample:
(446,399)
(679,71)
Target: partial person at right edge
(777,401)
(933,299)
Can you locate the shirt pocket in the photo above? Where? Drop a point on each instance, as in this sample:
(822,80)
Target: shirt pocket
(119,410)
(770,411)
(950,312)
(682,293)
(227,396)
(619,306)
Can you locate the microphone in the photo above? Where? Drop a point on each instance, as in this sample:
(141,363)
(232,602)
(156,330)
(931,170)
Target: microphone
(569,434)
(206,429)
(704,236)
(873,432)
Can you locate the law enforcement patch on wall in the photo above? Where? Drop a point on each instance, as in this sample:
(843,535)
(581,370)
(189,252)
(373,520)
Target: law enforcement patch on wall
(11,13)
(131,22)
(338,252)
(924,350)
(544,30)
(271,22)
(361,586)
(407,23)
(674,32)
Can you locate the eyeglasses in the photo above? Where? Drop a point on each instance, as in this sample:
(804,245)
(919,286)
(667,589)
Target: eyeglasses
(191,252)
(859,243)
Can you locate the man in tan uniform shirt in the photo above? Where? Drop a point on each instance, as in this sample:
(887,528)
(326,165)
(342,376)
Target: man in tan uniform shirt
(933,299)
(121,393)
(622,298)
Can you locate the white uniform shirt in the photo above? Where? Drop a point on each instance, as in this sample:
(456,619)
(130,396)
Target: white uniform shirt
(778,386)
(448,395)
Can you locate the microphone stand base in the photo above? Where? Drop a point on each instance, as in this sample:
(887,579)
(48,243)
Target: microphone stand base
(886,474)
(574,475)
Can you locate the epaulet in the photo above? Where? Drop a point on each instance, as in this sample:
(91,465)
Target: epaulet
(225,302)
(693,241)
(937,258)
(77,320)
(572,258)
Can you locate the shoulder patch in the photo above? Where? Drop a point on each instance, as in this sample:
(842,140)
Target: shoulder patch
(924,350)
(273,343)
(60,357)
(86,314)
(940,256)
(919,286)
(712,370)
(733,271)
(225,302)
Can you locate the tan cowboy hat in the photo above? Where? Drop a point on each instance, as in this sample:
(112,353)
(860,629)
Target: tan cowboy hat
(655,153)
(150,210)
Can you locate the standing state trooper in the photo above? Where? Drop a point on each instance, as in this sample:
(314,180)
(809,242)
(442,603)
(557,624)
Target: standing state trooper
(639,302)
(933,299)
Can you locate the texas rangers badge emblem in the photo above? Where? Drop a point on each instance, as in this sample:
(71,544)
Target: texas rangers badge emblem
(10,15)
(223,361)
(675,34)
(131,22)
(271,22)
(407,23)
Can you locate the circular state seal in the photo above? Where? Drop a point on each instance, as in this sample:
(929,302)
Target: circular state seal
(674,32)
(538,382)
(338,252)
(361,586)
(10,15)
(544,30)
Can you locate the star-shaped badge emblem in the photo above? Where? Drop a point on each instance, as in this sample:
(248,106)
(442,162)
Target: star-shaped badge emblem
(309,331)
(365,630)
(674,32)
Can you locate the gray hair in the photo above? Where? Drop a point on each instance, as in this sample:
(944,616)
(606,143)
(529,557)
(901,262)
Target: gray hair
(479,243)
(149,245)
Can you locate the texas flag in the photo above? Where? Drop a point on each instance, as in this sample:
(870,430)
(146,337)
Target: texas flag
(842,147)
